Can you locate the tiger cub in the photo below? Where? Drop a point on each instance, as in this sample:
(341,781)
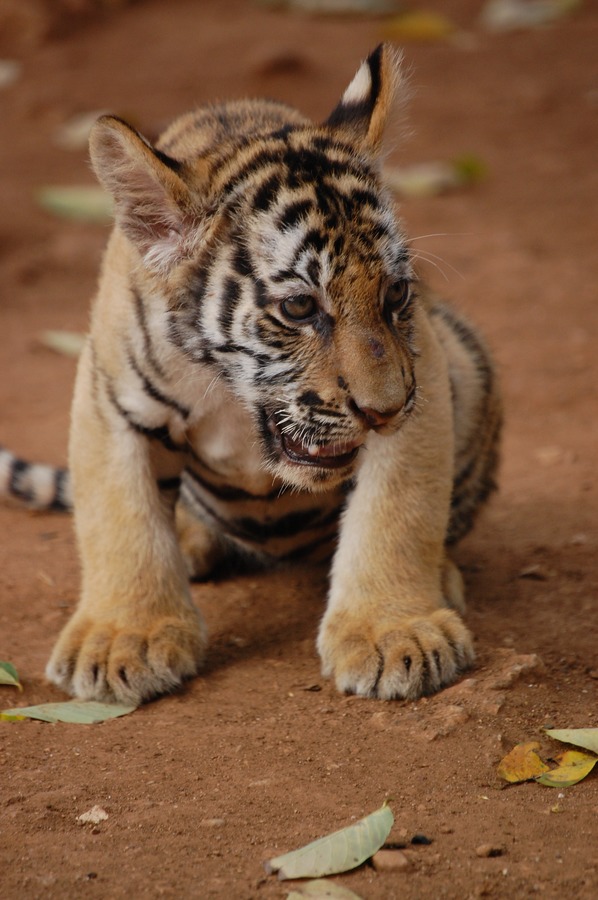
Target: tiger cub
(262,366)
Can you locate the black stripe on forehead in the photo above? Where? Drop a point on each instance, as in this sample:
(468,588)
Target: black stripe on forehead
(267,192)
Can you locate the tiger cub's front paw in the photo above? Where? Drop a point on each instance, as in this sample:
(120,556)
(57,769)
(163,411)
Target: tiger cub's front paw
(405,657)
(127,662)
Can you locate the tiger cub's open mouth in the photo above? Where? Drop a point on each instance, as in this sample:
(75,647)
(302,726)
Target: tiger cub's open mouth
(334,455)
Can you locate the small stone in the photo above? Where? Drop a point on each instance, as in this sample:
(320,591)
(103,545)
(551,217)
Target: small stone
(391,861)
(421,839)
(446,720)
(486,851)
(534,573)
(515,666)
(93,816)
(212,823)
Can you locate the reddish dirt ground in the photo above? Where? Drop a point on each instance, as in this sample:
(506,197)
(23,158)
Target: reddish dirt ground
(261,754)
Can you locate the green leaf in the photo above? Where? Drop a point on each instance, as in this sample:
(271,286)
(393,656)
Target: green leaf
(572,767)
(338,852)
(581,737)
(9,675)
(83,204)
(77,712)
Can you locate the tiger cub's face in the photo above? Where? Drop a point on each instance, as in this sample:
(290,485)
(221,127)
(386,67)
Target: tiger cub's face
(324,311)
(282,264)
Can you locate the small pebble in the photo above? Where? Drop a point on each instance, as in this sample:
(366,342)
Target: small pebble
(486,851)
(421,839)
(391,861)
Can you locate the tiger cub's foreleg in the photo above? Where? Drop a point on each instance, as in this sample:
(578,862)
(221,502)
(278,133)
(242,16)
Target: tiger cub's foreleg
(388,631)
(135,632)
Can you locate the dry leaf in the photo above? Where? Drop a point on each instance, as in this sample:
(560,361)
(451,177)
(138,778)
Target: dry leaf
(424,25)
(511,15)
(338,852)
(573,765)
(581,737)
(522,763)
(335,7)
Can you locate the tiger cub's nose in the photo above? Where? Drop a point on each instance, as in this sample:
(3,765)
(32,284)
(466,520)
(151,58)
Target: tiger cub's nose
(374,418)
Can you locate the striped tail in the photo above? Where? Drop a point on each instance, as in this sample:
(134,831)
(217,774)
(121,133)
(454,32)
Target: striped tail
(36,485)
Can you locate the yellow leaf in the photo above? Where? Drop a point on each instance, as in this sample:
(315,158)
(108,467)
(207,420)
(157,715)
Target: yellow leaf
(419,26)
(522,763)
(572,767)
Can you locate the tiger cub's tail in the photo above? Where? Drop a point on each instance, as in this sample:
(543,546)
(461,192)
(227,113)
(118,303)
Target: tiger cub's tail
(37,485)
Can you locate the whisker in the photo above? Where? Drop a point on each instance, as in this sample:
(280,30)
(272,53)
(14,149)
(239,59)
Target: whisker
(421,237)
(427,257)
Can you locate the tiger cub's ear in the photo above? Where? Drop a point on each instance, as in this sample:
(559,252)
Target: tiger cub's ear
(366,107)
(152,202)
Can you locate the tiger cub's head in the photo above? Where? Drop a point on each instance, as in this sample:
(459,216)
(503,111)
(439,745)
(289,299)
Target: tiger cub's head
(276,250)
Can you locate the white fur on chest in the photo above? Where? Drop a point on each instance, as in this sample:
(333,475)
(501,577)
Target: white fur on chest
(226,441)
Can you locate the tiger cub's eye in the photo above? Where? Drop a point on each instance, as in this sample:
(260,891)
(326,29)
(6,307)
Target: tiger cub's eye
(301,307)
(398,296)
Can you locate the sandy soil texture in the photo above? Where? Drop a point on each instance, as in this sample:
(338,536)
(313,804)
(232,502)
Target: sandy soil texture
(261,754)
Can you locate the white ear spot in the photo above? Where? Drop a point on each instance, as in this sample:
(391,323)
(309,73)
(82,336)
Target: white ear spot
(361,86)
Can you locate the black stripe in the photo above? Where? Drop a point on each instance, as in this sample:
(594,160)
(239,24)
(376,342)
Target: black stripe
(18,467)
(470,341)
(241,261)
(286,526)
(259,532)
(294,212)
(245,351)
(61,481)
(168,161)
(230,494)
(231,291)
(306,550)
(147,341)
(155,393)
(160,434)
(265,157)
(266,193)
(169,484)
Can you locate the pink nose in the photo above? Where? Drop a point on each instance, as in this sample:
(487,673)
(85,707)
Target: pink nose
(375,418)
